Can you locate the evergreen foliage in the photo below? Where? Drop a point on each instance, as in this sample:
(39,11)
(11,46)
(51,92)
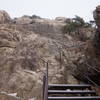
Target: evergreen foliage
(74,25)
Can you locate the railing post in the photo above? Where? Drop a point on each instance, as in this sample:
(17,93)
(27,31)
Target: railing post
(47,71)
(44,78)
(47,81)
(45,84)
(60,59)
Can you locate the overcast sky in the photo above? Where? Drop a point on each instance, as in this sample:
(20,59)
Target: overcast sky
(50,8)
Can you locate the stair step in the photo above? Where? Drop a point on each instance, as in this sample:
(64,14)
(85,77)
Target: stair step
(71,92)
(68,86)
(75,98)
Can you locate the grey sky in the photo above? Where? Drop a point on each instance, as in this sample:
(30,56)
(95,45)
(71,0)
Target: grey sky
(50,8)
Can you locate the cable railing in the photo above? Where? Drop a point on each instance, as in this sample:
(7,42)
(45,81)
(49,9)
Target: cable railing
(90,80)
(92,67)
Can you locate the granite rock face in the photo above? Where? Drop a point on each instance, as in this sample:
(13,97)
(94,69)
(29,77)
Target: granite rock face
(26,44)
(23,51)
(40,25)
(4,17)
(61,19)
(88,65)
(97,16)
(97,35)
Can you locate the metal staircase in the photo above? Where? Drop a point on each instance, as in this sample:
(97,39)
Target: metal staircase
(67,91)
(71,92)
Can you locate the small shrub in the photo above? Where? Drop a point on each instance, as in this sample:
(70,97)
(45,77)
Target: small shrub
(70,27)
(75,25)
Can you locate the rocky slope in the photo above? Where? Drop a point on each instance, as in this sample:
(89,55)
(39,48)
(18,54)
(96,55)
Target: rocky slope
(91,61)
(26,44)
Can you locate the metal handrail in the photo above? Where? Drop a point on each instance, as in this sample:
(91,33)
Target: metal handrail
(87,78)
(91,81)
(92,67)
(45,85)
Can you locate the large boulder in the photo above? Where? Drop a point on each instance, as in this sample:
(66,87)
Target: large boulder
(13,76)
(97,16)
(4,17)
(63,20)
(23,20)
(96,41)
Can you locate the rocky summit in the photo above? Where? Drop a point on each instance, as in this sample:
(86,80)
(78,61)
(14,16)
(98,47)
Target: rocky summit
(29,42)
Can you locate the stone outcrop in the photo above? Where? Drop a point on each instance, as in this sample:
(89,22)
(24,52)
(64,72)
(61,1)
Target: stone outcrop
(62,19)
(22,66)
(23,20)
(4,17)
(16,75)
(90,62)
(96,40)
(97,16)
(26,44)
(40,25)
